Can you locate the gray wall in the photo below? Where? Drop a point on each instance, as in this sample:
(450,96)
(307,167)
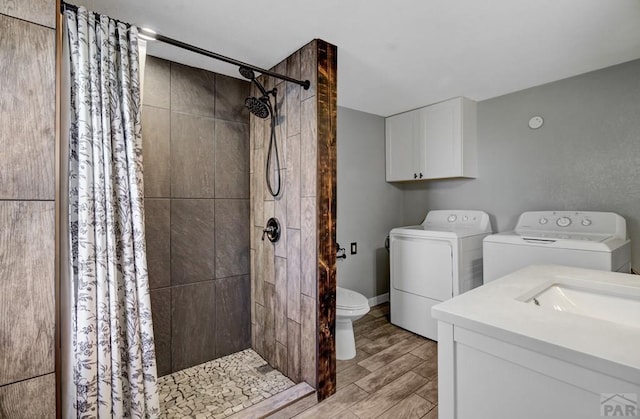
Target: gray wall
(27,209)
(368,207)
(195,131)
(585,157)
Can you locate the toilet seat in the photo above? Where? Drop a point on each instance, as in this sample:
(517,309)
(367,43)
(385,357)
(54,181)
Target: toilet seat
(350,300)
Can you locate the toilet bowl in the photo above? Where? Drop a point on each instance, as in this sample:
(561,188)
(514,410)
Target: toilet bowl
(350,306)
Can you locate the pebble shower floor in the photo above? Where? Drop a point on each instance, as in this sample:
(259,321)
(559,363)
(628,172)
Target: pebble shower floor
(219,388)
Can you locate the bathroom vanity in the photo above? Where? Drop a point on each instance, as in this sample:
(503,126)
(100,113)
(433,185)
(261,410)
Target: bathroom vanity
(542,342)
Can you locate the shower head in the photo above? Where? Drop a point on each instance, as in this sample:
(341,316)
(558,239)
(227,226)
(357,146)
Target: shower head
(247,73)
(258,107)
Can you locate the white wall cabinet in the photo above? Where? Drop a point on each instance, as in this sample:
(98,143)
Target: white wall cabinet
(434,142)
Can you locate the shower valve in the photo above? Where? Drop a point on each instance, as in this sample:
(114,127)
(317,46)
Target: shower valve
(272,230)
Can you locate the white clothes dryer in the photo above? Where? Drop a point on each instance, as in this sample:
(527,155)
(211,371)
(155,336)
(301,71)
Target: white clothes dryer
(432,262)
(582,239)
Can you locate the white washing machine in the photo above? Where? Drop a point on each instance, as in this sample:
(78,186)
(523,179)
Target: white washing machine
(593,240)
(433,262)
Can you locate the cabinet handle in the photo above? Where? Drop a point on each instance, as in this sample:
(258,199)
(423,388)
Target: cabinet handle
(420,175)
(415,176)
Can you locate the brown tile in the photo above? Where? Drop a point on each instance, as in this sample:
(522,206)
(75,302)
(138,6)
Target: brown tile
(280,212)
(27,301)
(259,330)
(293,350)
(388,396)
(233,331)
(296,408)
(156,132)
(427,350)
(27,71)
(231,160)
(42,12)
(161,308)
(308,340)
(292,184)
(335,405)
(367,324)
(293,274)
(192,240)
(193,310)
(309,68)
(308,248)
(349,375)
(388,373)
(308,149)
(192,90)
(348,363)
(258,270)
(281,299)
(300,392)
(230,95)
(433,414)
(32,398)
(257,187)
(387,330)
(161,313)
(388,355)
(412,407)
(281,363)
(293,96)
(158,235)
(269,323)
(157,76)
(429,391)
(380,310)
(192,155)
(232,237)
(428,369)
(382,343)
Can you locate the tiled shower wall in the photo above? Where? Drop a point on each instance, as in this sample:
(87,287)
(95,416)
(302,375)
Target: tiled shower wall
(196,175)
(27,208)
(283,276)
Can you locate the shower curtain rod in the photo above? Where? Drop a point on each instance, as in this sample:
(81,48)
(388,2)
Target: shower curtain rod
(158,37)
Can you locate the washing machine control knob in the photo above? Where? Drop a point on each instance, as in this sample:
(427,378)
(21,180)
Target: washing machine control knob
(586,222)
(563,221)
(452,218)
(543,221)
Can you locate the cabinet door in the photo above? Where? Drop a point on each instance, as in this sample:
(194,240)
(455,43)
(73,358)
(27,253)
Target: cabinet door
(399,137)
(442,150)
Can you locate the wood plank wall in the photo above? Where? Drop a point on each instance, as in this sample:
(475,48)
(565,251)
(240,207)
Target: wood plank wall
(27,208)
(293,280)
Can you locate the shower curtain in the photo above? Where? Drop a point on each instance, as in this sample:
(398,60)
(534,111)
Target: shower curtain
(111,367)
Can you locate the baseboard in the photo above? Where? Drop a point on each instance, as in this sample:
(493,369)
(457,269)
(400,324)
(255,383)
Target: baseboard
(378,299)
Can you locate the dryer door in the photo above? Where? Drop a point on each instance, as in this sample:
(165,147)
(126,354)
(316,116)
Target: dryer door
(423,267)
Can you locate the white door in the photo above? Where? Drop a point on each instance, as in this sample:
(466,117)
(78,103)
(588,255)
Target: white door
(423,267)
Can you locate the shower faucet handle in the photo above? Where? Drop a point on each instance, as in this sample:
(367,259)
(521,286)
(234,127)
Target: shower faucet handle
(272,230)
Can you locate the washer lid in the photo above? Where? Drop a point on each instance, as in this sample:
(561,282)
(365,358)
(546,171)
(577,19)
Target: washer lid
(347,299)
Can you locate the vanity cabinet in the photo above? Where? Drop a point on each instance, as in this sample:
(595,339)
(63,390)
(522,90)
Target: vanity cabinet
(434,142)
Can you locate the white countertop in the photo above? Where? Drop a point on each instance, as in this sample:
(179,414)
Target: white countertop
(498,309)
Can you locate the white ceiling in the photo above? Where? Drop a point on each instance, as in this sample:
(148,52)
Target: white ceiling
(398,55)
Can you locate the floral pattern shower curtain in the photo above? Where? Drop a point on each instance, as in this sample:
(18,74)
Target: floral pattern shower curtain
(114,367)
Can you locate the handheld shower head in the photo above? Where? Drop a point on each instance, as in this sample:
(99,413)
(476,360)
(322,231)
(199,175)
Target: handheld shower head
(258,107)
(247,73)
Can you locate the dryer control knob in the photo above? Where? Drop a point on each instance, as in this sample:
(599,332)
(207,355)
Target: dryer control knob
(586,222)
(563,221)
(452,218)
(543,221)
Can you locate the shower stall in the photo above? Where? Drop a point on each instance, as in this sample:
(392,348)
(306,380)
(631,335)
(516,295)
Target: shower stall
(222,157)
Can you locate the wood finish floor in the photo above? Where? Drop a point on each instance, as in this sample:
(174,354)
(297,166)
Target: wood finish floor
(394,375)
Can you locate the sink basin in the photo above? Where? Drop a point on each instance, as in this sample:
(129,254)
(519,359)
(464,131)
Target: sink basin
(598,304)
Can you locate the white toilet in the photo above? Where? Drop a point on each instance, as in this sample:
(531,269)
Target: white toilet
(350,306)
